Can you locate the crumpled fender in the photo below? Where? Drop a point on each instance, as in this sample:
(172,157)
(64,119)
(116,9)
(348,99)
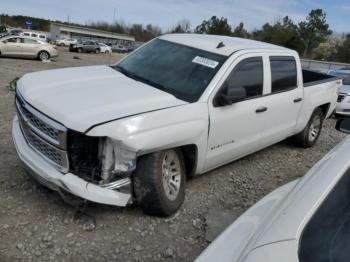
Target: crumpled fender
(162,129)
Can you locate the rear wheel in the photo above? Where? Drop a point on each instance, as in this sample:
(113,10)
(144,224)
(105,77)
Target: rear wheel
(309,136)
(80,50)
(43,55)
(97,51)
(159,182)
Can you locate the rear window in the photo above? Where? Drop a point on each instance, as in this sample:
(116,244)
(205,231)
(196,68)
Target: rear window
(326,237)
(283,73)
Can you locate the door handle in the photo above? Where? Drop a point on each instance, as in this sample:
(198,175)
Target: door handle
(296,100)
(261,109)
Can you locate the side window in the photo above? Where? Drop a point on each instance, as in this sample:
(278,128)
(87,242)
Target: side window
(34,35)
(26,34)
(28,41)
(12,40)
(248,74)
(283,73)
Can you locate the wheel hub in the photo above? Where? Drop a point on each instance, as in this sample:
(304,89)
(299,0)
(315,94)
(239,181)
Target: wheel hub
(171,172)
(315,128)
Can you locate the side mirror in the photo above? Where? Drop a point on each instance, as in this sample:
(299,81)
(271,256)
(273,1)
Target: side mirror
(343,125)
(230,95)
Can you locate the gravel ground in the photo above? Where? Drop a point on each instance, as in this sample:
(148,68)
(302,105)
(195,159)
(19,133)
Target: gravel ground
(36,225)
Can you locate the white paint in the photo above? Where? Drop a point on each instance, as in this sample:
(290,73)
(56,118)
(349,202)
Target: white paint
(146,119)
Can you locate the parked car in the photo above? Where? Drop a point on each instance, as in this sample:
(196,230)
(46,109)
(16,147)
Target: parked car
(105,48)
(148,123)
(26,47)
(119,49)
(343,102)
(16,32)
(85,47)
(41,37)
(66,42)
(306,220)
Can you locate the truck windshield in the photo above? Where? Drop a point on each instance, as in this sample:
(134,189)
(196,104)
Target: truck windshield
(182,71)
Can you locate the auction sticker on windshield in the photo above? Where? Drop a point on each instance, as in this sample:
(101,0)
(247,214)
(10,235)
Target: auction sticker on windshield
(205,62)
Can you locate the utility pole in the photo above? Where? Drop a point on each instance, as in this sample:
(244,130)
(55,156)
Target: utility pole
(68,18)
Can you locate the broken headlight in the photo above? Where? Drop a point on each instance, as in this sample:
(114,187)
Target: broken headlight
(116,158)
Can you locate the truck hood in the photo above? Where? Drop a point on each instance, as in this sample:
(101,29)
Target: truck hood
(82,97)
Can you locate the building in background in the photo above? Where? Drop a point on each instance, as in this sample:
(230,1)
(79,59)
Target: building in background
(61,31)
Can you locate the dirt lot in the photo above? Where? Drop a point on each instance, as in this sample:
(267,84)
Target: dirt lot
(36,225)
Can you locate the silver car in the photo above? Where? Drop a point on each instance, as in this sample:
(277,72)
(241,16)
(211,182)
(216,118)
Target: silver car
(26,47)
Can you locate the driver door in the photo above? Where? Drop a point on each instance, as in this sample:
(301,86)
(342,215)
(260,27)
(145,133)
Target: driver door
(235,130)
(11,46)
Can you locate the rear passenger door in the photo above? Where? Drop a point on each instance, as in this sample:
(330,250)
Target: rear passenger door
(29,47)
(284,98)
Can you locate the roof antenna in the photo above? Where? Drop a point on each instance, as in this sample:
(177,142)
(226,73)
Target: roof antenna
(220,45)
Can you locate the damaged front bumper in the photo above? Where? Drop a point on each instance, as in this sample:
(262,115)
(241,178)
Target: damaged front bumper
(49,176)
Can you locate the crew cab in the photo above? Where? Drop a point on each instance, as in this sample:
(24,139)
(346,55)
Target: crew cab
(181,105)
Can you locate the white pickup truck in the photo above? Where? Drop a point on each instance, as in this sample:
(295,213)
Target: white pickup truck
(181,105)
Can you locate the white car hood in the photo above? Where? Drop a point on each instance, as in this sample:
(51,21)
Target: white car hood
(344,89)
(82,97)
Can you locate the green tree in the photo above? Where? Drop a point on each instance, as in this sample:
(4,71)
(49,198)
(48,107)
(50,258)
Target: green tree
(240,31)
(343,51)
(214,26)
(283,33)
(183,26)
(314,30)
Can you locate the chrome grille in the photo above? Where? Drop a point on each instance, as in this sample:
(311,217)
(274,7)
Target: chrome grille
(50,130)
(340,98)
(43,138)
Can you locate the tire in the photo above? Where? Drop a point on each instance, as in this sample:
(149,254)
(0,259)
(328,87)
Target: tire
(309,136)
(152,180)
(107,52)
(80,50)
(43,56)
(97,51)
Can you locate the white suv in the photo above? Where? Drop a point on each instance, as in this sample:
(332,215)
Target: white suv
(66,42)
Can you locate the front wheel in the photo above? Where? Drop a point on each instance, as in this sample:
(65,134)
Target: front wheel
(159,182)
(43,56)
(309,136)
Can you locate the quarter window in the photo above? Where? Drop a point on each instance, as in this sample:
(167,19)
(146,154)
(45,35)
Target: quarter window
(283,73)
(249,75)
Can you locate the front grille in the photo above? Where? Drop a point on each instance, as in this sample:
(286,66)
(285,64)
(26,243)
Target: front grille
(340,98)
(43,135)
(56,156)
(52,131)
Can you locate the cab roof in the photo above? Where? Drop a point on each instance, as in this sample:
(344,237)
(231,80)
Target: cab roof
(210,43)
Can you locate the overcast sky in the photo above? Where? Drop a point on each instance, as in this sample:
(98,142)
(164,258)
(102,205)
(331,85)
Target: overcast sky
(165,13)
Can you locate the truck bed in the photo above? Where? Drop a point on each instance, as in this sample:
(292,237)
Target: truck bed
(314,78)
